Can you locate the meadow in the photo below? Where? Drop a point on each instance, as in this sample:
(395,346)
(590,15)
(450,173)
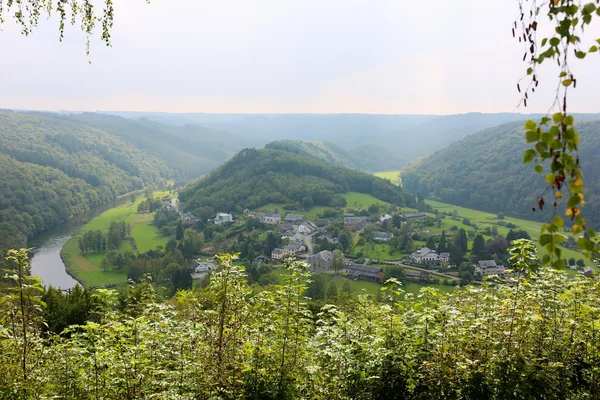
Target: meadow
(393,176)
(86,268)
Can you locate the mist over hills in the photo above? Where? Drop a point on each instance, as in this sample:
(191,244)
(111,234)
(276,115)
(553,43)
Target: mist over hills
(382,142)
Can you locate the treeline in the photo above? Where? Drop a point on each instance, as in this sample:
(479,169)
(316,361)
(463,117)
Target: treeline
(532,337)
(485,171)
(256,177)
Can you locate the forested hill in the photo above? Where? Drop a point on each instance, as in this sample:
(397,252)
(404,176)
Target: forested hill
(485,171)
(256,177)
(54,167)
(363,158)
(189,150)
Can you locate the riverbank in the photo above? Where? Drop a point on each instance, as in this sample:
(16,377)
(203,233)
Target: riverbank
(145,236)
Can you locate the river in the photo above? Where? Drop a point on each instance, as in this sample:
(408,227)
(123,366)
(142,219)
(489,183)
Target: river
(46,262)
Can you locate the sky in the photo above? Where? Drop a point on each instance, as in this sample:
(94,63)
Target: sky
(274,56)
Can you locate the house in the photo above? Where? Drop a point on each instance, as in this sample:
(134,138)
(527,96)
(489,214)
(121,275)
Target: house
(289,234)
(588,272)
(294,219)
(307,228)
(425,256)
(488,267)
(203,266)
(329,237)
(262,259)
(321,222)
(411,275)
(277,254)
(322,261)
(293,248)
(364,272)
(355,223)
(413,216)
(444,258)
(382,236)
(222,218)
(189,218)
(385,217)
(271,218)
(287,227)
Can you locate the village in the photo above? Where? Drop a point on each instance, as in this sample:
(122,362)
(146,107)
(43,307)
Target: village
(326,244)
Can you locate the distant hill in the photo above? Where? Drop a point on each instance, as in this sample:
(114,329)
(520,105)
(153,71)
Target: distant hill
(484,171)
(366,158)
(257,177)
(57,166)
(380,142)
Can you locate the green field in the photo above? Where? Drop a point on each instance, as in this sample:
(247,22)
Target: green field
(393,176)
(86,269)
(483,219)
(379,251)
(311,214)
(361,200)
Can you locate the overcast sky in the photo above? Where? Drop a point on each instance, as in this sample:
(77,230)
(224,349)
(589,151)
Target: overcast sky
(323,56)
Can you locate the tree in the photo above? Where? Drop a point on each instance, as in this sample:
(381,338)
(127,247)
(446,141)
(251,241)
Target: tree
(571,261)
(149,193)
(337,261)
(345,239)
(271,242)
(479,247)
(113,238)
(347,289)
(394,271)
(461,241)
(132,198)
(430,242)
(316,288)
(332,290)
(179,231)
(456,255)
(442,246)
(580,263)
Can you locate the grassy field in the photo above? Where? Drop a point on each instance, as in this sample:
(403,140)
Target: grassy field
(86,269)
(379,251)
(483,219)
(393,176)
(311,214)
(361,200)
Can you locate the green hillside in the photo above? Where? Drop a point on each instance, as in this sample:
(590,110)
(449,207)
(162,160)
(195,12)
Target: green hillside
(55,167)
(484,171)
(364,157)
(254,178)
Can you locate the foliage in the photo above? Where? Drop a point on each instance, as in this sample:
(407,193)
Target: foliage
(533,336)
(554,139)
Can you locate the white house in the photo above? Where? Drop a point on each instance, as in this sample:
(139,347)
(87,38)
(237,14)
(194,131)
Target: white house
(271,218)
(307,227)
(425,256)
(222,218)
(385,217)
(488,267)
(204,266)
(293,248)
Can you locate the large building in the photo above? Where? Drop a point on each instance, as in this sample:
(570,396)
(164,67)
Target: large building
(222,218)
(425,256)
(271,218)
(488,267)
(322,261)
(364,272)
(294,219)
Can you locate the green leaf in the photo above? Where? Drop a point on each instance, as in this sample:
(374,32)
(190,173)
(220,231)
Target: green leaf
(530,125)
(554,41)
(558,221)
(528,156)
(585,244)
(549,178)
(562,74)
(580,55)
(545,239)
(589,8)
(532,136)
(544,41)
(557,117)
(573,201)
(567,82)
(539,168)
(593,49)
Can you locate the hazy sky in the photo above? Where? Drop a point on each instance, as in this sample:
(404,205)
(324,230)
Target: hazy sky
(323,56)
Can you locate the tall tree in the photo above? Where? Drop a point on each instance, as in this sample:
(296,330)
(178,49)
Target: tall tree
(337,261)
(442,247)
(461,241)
(479,247)
(179,231)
